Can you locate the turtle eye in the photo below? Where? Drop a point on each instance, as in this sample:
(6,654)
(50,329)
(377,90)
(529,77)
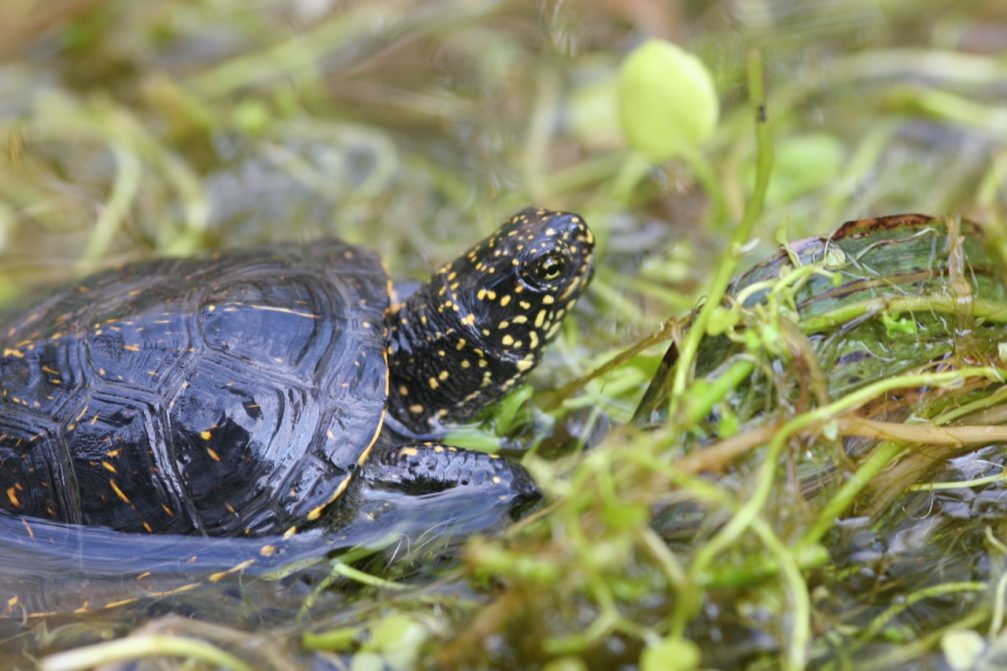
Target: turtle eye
(549,267)
(546,269)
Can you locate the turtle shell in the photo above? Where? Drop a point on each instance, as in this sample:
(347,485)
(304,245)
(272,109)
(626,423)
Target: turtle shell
(225,396)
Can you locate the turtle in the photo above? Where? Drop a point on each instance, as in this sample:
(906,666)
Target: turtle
(240,394)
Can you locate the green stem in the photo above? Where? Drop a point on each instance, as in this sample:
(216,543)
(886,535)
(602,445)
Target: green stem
(703,400)
(875,626)
(987,310)
(765,477)
(799,614)
(880,458)
(753,208)
(113,214)
(136,647)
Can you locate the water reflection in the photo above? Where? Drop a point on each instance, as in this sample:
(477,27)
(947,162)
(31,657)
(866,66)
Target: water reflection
(63,574)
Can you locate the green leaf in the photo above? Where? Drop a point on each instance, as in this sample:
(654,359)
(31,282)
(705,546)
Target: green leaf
(565,664)
(667,102)
(804,164)
(339,639)
(504,419)
(398,638)
(962,648)
(895,326)
(671,654)
(722,320)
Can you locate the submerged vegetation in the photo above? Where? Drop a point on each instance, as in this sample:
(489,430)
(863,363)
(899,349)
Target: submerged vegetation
(800,464)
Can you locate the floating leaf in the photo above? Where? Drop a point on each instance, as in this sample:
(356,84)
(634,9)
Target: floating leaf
(667,101)
(671,654)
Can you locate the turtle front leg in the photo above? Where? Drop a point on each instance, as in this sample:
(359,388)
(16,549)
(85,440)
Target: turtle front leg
(428,467)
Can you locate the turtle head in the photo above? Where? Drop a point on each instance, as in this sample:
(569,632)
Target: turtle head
(478,327)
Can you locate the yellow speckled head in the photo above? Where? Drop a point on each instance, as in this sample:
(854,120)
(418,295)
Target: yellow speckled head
(479,325)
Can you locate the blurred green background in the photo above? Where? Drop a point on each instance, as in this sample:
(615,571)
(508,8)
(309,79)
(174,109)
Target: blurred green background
(130,129)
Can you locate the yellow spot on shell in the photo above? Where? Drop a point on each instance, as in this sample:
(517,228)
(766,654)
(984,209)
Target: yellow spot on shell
(205,435)
(548,300)
(505,300)
(469,320)
(507,340)
(220,575)
(118,492)
(316,512)
(540,319)
(443,375)
(526,363)
(416,409)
